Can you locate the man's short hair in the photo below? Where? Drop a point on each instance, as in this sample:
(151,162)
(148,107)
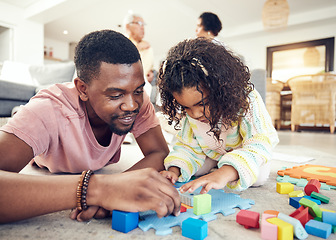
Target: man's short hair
(103,46)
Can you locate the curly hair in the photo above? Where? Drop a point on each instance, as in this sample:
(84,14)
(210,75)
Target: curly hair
(211,22)
(103,46)
(213,70)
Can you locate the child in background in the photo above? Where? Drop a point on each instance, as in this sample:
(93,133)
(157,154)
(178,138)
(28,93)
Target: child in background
(206,91)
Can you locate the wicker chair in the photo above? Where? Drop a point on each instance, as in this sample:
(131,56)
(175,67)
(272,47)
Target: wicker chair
(313,100)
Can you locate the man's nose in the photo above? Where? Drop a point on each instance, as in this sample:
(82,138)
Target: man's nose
(129,103)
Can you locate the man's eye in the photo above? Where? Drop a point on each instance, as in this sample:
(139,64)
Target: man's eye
(114,97)
(140,91)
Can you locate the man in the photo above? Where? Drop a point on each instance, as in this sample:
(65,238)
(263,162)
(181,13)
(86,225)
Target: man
(77,126)
(135,30)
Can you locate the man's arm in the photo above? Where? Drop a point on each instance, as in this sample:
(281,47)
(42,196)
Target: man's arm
(154,147)
(24,196)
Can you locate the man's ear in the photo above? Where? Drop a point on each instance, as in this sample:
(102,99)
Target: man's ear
(82,88)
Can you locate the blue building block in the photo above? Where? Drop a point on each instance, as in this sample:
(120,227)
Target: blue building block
(294,201)
(124,221)
(319,229)
(195,229)
(318,202)
(329,217)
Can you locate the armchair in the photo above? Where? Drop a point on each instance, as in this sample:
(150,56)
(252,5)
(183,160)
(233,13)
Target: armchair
(313,100)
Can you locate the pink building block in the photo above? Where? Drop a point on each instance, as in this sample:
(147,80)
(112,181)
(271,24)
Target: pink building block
(248,219)
(269,231)
(312,186)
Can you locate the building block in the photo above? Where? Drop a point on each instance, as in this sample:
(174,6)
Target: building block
(272,212)
(333,229)
(183,209)
(301,182)
(326,210)
(186,206)
(284,187)
(320,197)
(248,219)
(194,229)
(313,186)
(329,217)
(202,204)
(294,202)
(124,221)
(318,202)
(298,193)
(319,229)
(302,215)
(187,198)
(269,231)
(322,173)
(299,230)
(314,209)
(222,202)
(285,230)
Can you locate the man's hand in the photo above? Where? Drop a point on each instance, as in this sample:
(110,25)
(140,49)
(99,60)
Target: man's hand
(134,191)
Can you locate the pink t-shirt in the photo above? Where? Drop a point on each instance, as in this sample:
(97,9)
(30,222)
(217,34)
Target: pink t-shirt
(55,124)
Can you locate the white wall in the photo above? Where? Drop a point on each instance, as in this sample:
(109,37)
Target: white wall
(60,49)
(27,35)
(253,47)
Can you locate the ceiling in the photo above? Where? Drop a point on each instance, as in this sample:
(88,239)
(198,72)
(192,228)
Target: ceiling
(167,22)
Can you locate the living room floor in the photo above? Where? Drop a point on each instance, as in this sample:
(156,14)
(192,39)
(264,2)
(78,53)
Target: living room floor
(318,145)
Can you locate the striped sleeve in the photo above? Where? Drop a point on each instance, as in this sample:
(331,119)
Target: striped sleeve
(254,147)
(186,154)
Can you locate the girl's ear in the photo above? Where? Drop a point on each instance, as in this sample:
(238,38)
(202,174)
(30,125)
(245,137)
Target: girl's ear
(82,88)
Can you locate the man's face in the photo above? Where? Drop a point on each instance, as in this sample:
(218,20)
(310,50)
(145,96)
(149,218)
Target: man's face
(136,29)
(115,96)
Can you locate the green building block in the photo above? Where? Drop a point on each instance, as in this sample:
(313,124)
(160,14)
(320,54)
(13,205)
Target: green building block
(314,209)
(202,204)
(320,197)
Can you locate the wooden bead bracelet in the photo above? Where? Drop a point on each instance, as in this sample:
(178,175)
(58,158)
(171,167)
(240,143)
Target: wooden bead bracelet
(82,187)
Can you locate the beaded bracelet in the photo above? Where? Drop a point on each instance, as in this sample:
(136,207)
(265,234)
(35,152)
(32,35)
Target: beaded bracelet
(82,187)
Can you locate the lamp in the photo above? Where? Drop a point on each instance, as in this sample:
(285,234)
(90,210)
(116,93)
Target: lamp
(275,14)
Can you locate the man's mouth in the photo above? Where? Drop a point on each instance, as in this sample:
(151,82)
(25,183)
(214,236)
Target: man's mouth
(127,120)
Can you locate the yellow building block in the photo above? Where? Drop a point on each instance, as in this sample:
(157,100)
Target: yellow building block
(298,193)
(326,210)
(284,187)
(285,230)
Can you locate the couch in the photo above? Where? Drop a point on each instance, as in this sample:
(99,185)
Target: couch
(19,82)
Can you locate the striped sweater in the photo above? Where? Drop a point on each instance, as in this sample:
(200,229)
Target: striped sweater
(245,146)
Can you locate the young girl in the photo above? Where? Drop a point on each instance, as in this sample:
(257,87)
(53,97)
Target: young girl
(206,91)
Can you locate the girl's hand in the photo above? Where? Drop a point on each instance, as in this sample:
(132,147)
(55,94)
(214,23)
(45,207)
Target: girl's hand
(171,176)
(215,180)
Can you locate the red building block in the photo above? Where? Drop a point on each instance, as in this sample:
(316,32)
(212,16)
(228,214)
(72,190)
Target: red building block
(183,209)
(248,219)
(312,186)
(302,215)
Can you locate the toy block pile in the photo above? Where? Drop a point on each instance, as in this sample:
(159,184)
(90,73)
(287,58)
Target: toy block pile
(191,228)
(201,204)
(308,218)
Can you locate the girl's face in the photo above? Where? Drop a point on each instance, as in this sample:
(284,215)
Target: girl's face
(194,103)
